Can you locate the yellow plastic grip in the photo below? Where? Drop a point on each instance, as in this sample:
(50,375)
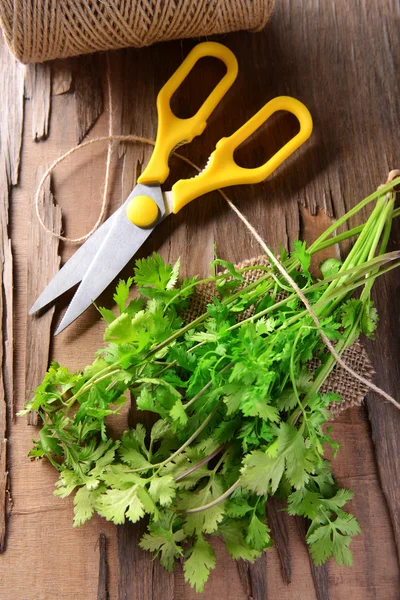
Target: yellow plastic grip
(173,131)
(222,170)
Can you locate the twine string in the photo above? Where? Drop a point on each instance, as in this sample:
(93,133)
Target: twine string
(47,29)
(273,259)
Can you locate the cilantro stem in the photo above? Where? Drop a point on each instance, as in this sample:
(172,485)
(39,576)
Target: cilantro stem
(345,235)
(184,446)
(201,463)
(216,501)
(92,381)
(192,437)
(293,376)
(360,271)
(330,230)
(293,263)
(205,388)
(212,279)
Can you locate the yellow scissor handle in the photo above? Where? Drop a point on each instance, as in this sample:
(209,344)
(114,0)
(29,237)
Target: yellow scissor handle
(222,170)
(173,131)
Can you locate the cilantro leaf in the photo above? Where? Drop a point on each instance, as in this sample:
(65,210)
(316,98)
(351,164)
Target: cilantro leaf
(304,502)
(162,489)
(304,257)
(297,457)
(85,504)
(262,473)
(333,539)
(161,540)
(198,566)
(232,532)
(133,450)
(207,520)
(257,536)
(49,443)
(350,312)
(174,275)
(152,272)
(114,505)
(121,294)
(107,314)
(254,405)
(369,319)
(177,412)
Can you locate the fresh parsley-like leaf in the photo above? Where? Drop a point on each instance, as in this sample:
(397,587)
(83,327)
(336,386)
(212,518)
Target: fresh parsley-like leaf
(162,489)
(199,564)
(304,257)
(257,536)
(122,293)
(333,539)
(114,505)
(85,504)
(161,540)
(262,473)
(232,531)
(152,272)
(174,275)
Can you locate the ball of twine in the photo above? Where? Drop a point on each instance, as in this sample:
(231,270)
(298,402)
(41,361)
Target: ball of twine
(39,30)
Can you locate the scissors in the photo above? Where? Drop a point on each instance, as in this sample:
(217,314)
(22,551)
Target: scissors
(97,262)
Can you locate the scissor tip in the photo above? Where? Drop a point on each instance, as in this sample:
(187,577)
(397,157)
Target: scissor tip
(59,329)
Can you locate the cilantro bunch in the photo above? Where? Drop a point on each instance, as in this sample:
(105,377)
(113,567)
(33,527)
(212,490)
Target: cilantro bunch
(239,415)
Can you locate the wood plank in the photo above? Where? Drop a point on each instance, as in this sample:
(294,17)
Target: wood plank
(319,574)
(88,93)
(38,90)
(61,80)
(384,419)
(43,264)
(141,577)
(277,521)
(375,572)
(8,328)
(36,513)
(102,591)
(11,123)
(333,56)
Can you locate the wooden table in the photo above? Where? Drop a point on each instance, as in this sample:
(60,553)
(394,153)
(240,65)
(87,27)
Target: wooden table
(341,59)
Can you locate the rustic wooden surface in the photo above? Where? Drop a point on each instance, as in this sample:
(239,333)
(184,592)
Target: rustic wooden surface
(340,58)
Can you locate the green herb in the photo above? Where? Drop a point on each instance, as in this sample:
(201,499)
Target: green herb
(239,413)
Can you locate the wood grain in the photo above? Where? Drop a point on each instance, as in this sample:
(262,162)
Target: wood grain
(319,574)
(280,534)
(61,80)
(102,592)
(38,89)
(141,578)
(8,328)
(43,264)
(87,72)
(11,123)
(341,59)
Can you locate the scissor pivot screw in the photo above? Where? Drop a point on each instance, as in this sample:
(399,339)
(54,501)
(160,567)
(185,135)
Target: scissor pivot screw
(142,211)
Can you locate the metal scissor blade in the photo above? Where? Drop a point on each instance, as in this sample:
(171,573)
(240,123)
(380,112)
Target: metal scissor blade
(121,243)
(75,268)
